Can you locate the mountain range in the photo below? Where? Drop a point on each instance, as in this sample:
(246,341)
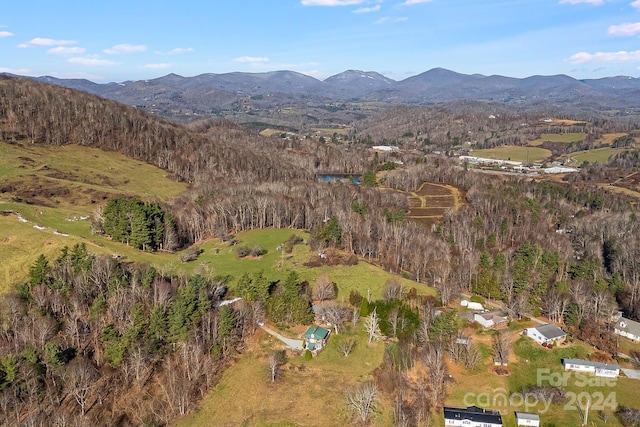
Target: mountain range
(210,93)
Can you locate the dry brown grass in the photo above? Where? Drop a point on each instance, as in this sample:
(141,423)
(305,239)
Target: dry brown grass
(309,393)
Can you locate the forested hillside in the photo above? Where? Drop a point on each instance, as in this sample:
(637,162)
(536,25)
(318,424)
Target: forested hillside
(121,342)
(269,183)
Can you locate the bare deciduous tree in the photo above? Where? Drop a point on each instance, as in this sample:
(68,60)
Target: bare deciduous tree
(433,358)
(323,288)
(372,326)
(80,376)
(346,345)
(276,360)
(363,399)
(336,315)
(502,347)
(392,289)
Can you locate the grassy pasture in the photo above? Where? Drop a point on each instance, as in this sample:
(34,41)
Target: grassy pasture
(331,131)
(271,132)
(220,258)
(21,243)
(565,138)
(608,138)
(309,393)
(515,153)
(61,185)
(597,155)
(77,176)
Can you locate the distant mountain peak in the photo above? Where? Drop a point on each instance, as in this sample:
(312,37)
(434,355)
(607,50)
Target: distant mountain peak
(437,85)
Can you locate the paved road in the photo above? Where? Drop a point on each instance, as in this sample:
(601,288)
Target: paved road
(291,343)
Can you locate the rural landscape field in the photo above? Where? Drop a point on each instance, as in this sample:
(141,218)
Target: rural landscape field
(220,214)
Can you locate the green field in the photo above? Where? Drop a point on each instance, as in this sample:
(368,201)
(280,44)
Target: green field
(566,138)
(58,188)
(515,153)
(331,131)
(77,175)
(597,155)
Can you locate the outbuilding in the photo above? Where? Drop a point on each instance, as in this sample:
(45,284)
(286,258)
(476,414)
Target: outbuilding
(527,419)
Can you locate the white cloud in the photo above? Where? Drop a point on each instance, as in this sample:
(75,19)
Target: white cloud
(620,56)
(636,4)
(75,75)
(371,9)
(626,29)
(176,51)
(92,60)
(156,66)
(5,34)
(389,20)
(61,50)
(125,48)
(332,2)
(413,2)
(594,2)
(252,59)
(40,41)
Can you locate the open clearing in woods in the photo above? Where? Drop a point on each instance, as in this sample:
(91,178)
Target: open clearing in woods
(431,202)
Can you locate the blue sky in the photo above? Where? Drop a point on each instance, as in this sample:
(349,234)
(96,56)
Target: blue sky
(115,40)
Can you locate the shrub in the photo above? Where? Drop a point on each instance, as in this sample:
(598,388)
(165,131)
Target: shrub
(191,254)
(293,240)
(258,251)
(243,251)
(308,355)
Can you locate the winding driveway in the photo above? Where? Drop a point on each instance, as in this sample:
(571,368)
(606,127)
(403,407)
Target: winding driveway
(291,343)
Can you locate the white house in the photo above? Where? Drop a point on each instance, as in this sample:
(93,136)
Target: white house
(471,417)
(527,419)
(628,328)
(610,370)
(490,320)
(546,334)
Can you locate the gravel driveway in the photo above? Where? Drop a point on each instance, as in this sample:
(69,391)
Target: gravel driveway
(291,343)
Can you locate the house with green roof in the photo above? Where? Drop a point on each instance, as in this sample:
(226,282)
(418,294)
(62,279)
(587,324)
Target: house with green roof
(316,338)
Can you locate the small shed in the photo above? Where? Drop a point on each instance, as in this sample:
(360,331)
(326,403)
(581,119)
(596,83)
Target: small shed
(527,419)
